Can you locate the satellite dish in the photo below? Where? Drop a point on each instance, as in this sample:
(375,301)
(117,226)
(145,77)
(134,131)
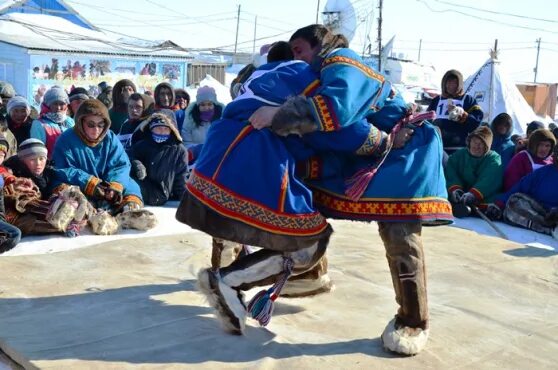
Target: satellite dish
(339,16)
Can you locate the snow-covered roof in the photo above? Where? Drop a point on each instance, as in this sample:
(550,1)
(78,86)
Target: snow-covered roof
(58,7)
(39,32)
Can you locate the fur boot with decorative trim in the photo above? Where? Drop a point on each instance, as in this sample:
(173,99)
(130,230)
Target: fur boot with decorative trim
(403,339)
(227,302)
(224,252)
(313,282)
(139,219)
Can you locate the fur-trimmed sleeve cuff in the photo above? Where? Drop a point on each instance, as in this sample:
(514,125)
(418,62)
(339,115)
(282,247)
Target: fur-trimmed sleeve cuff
(116,186)
(90,186)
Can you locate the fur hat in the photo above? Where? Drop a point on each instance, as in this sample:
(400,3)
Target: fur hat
(537,137)
(483,133)
(78,93)
(91,107)
(54,94)
(32,148)
(18,101)
(206,93)
(6,90)
(4,145)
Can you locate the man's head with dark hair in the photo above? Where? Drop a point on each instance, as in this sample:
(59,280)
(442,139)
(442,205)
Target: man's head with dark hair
(280,51)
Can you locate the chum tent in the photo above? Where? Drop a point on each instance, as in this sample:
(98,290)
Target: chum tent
(495,94)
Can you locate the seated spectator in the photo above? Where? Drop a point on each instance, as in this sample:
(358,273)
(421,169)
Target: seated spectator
(502,127)
(140,107)
(182,102)
(53,119)
(159,162)
(7,135)
(521,143)
(121,92)
(164,97)
(105,94)
(538,153)
(532,203)
(19,120)
(199,116)
(9,234)
(7,92)
(457,113)
(29,201)
(91,157)
(77,96)
(474,173)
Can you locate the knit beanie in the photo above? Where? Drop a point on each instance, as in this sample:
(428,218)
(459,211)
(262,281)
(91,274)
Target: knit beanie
(78,93)
(159,120)
(18,102)
(54,94)
(206,93)
(484,133)
(32,148)
(4,145)
(6,90)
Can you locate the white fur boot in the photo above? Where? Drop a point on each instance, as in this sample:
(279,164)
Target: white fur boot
(227,302)
(102,223)
(139,219)
(405,340)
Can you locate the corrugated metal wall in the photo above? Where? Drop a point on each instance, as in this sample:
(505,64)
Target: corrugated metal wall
(14,67)
(198,71)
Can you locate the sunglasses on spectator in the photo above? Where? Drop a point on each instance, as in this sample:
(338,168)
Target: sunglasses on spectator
(100,125)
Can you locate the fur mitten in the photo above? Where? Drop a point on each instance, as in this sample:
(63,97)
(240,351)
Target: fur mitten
(294,117)
(140,219)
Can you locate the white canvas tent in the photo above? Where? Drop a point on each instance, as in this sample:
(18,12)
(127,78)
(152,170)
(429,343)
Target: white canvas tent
(496,94)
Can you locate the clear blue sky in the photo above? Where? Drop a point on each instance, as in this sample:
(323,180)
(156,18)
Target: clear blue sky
(455,34)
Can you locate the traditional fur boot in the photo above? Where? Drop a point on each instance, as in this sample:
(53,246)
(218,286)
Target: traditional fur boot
(224,252)
(139,219)
(102,223)
(227,302)
(61,213)
(403,339)
(313,282)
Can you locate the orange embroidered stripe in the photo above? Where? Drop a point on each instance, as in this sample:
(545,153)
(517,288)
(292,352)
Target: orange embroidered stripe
(311,88)
(245,131)
(349,61)
(384,207)
(325,116)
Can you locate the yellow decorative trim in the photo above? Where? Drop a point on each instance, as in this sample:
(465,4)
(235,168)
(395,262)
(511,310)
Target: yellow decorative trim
(311,88)
(369,72)
(372,142)
(131,198)
(245,131)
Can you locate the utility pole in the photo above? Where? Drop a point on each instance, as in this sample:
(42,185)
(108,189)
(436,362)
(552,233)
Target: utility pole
(420,47)
(237,24)
(317,11)
(536,69)
(254,43)
(380,37)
